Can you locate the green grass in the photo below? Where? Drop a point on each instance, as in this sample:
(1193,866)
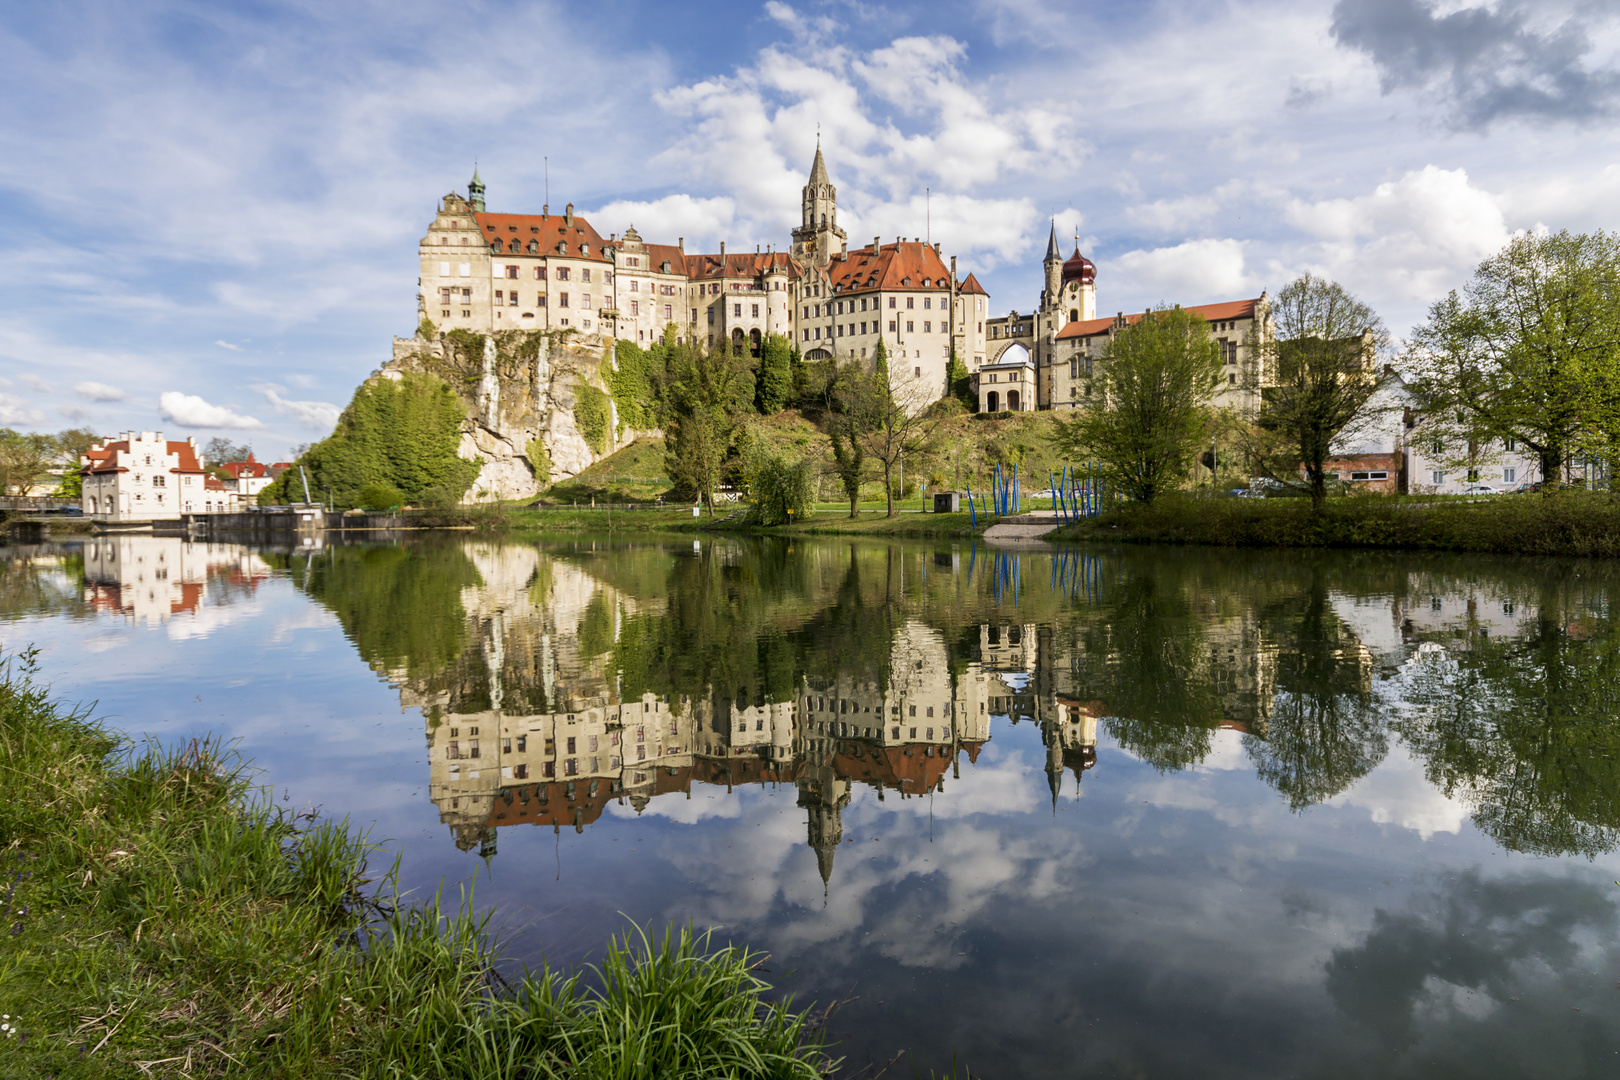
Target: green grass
(1567,523)
(170,920)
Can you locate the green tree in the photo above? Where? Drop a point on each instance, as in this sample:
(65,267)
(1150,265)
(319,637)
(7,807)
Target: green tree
(67,448)
(1316,375)
(1530,349)
(847,411)
(896,421)
(401,432)
(1156,378)
(959,382)
(219,450)
(775,374)
(706,395)
(23,457)
(781,488)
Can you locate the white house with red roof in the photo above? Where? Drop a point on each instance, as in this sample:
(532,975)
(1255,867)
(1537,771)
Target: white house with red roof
(141,476)
(248,478)
(489,272)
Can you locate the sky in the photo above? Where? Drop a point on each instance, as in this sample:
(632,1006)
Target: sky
(211,210)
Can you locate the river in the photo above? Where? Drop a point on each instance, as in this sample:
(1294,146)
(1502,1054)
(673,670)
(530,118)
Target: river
(1150,812)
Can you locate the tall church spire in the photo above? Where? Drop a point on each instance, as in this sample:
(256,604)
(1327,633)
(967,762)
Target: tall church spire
(1053,255)
(818,170)
(818,239)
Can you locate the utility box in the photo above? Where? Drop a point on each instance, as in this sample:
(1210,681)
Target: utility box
(947,502)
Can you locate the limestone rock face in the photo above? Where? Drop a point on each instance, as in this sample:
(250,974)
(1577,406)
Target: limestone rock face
(520,389)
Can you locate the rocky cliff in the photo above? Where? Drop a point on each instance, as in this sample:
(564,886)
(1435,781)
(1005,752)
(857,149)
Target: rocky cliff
(538,407)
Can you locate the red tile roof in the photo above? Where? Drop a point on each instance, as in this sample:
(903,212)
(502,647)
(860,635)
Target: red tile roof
(1231,309)
(249,468)
(545,231)
(736,264)
(901,266)
(971,285)
(105,458)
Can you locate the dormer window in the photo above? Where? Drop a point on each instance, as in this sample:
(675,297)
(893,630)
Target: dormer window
(584,249)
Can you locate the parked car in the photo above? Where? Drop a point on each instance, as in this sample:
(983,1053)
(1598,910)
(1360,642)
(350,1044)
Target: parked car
(1480,489)
(1248,493)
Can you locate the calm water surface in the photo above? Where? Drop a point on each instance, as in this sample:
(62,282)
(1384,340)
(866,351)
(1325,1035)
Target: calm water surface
(1151,813)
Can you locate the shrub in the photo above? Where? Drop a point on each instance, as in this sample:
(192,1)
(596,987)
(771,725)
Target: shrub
(778,485)
(380,497)
(591,416)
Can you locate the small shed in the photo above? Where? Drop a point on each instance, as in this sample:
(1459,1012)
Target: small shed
(947,502)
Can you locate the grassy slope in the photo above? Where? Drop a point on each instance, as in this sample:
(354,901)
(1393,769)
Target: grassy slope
(1571,523)
(165,914)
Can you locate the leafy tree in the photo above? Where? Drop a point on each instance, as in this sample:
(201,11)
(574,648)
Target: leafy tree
(959,382)
(380,497)
(219,450)
(781,489)
(1316,376)
(775,374)
(1530,349)
(705,396)
(400,432)
(23,457)
(847,399)
(895,421)
(1156,378)
(68,447)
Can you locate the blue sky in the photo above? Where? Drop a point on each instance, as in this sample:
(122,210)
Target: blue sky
(211,210)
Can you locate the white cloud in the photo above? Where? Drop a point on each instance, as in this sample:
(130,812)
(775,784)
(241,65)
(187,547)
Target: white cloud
(188,410)
(317,415)
(96,391)
(19,413)
(35,383)
(73,412)
(702,223)
(1196,272)
(228,345)
(1411,239)
(1397,793)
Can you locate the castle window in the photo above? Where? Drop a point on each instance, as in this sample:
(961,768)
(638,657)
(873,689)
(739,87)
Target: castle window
(444,269)
(910,326)
(928,301)
(539,273)
(918,373)
(511,271)
(669,312)
(562,299)
(928,327)
(562,273)
(585,300)
(911,302)
(585,274)
(840,330)
(891,307)
(500,297)
(756,310)
(891,326)
(635,307)
(635,286)
(736,311)
(540,300)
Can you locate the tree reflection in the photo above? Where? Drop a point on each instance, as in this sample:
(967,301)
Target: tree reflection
(1525,730)
(1324,732)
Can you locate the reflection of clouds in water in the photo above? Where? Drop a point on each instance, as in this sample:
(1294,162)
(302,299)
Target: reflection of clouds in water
(1001,782)
(1398,793)
(211,618)
(308,618)
(1225,752)
(100,643)
(1017,680)
(702,806)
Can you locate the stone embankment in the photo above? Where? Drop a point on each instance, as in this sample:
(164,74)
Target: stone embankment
(1030,528)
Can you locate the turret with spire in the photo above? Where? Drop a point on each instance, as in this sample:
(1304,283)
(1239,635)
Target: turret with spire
(1053,264)
(818,238)
(475,191)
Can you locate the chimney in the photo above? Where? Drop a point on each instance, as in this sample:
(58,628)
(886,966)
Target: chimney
(877,245)
(936,247)
(568,214)
(680,242)
(545,211)
(722,251)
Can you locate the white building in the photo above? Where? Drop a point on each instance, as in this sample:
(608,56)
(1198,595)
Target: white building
(141,476)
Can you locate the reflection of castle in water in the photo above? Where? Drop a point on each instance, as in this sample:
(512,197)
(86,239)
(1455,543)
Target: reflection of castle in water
(529,729)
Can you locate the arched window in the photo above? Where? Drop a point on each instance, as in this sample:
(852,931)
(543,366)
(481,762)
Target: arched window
(1074,314)
(737,340)
(992,402)
(1012,400)
(823,220)
(753,343)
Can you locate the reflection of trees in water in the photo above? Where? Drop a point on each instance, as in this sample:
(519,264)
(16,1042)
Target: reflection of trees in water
(43,580)
(400,605)
(1476,978)
(1324,732)
(1526,730)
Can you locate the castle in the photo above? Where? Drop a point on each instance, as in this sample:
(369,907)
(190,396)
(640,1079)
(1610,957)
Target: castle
(488,272)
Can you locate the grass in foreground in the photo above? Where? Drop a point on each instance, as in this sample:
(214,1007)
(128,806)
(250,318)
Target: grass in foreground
(163,919)
(1566,523)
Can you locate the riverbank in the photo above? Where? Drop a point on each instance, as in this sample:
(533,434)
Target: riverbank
(164,916)
(1570,523)
(825,522)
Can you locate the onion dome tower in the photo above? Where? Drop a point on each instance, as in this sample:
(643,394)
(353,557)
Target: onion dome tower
(1078,290)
